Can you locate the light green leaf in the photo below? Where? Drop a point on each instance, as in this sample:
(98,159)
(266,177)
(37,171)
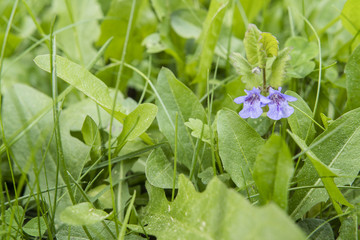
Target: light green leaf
(349,228)
(102,195)
(273,170)
(35,227)
(270,44)
(15,216)
(82,214)
(302,53)
(336,153)
(278,68)
(251,44)
(22,106)
(97,231)
(198,128)
(238,146)
(325,120)
(352,71)
(177,98)
(188,23)
(300,122)
(350,18)
(207,42)
(164,7)
(308,225)
(83,80)
(137,122)
(216,213)
(153,43)
(78,43)
(91,136)
(243,67)
(159,170)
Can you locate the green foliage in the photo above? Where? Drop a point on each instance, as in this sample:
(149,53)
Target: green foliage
(82,214)
(175,97)
(322,229)
(300,121)
(199,129)
(196,215)
(251,44)
(352,71)
(35,227)
(244,68)
(278,68)
(273,170)
(238,146)
(350,19)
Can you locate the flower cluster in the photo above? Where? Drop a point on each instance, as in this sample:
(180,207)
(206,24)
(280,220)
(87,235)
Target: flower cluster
(277,102)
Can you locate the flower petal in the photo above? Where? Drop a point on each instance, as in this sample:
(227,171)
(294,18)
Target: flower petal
(240,100)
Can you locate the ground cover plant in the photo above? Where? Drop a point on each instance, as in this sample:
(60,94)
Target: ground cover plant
(179,119)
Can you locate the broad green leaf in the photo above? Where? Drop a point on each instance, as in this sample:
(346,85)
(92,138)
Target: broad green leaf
(12,43)
(349,228)
(216,213)
(91,136)
(35,152)
(90,132)
(164,7)
(251,40)
(35,227)
(97,232)
(302,53)
(352,71)
(273,170)
(261,124)
(279,67)
(323,229)
(238,146)
(87,83)
(153,43)
(78,43)
(83,80)
(188,23)
(243,67)
(177,98)
(82,214)
(207,42)
(350,18)
(137,122)
(159,170)
(336,148)
(270,44)
(199,129)
(102,195)
(15,216)
(300,122)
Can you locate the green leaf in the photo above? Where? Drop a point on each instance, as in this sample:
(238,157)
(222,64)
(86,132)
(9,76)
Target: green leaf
(83,80)
(15,216)
(22,106)
(216,213)
(238,146)
(159,170)
(323,229)
(177,98)
(97,231)
(244,68)
(164,7)
(270,44)
(323,156)
(82,214)
(199,129)
(352,71)
(137,122)
(207,42)
(325,120)
(78,43)
(91,136)
(185,24)
(251,40)
(301,54)
(300,122)
(350,18)
(349,228)
(35,227)
(273,170)
(278,68)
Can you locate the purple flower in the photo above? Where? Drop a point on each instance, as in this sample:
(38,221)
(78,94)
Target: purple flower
(253,102)
(279,107)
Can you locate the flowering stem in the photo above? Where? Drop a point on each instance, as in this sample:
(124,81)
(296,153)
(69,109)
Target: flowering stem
(264,80)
